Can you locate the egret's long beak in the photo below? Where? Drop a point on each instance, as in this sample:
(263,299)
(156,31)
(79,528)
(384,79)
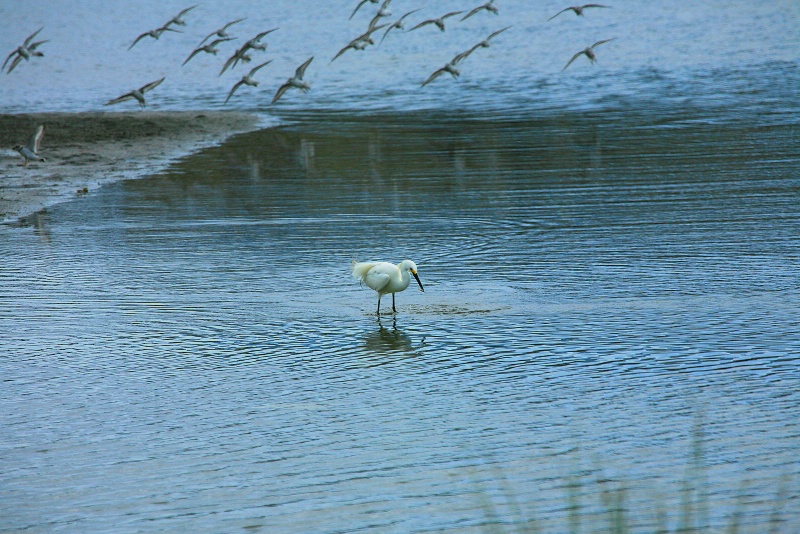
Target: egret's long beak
(417,279)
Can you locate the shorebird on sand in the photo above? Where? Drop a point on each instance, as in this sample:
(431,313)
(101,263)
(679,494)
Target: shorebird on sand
(31,151)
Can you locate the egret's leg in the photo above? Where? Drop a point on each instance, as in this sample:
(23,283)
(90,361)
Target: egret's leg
(379,304)
(394,310)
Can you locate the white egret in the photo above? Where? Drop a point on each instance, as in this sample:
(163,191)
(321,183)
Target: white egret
(386,277)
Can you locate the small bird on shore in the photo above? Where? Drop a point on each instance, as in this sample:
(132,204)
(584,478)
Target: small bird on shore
(588,52)
(25,51)
(31,151)
(577,9)
(210,48)
(488,6)
(385,277)
(247,79)
(155,34)
(295,81)
(398,24)
(221,33)
(439,22)
(138,94)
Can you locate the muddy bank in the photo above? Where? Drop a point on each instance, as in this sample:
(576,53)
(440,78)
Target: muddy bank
(86,150)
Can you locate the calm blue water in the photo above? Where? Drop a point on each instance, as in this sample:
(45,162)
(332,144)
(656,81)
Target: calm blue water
(608,338)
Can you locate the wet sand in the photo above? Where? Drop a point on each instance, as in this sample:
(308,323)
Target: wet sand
(86,150)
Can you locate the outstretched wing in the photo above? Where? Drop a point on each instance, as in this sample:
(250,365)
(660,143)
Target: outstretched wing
(123,98)
(433,76)
(151,85)
(301,70)
(36,139)
(468,15)
(282,89)
(577,54)
(598,43)
(560,12)
(233,90)
(255,69)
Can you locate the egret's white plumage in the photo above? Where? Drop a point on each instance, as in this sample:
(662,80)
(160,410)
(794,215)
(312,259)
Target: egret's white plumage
(385,277)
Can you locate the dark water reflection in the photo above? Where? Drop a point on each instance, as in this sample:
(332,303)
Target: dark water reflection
(608,332)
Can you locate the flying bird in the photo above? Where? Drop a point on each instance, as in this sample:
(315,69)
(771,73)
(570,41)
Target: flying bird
(488,6)
(361,42)
(385,277)
(256,44)
(449,67)
(138,94)
(383,11)
(398,24)
(178,19)
(240,55)
(31,151)
(483,44)
(210,48)
(588,52)
(295,81)
(247,79)
(439,22)
(222,33)
(25,51)
(577,9)
(155,34)
(361,4)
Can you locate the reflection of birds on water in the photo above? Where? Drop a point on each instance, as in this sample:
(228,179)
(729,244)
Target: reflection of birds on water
(138,94)
(31,151)
(389,339)
(588,52)
(577,9)
(385,277)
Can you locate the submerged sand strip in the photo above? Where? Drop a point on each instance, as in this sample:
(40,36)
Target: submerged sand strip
(87,150)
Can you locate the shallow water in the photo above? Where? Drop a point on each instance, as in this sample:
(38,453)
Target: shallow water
(609,323)
(608,337)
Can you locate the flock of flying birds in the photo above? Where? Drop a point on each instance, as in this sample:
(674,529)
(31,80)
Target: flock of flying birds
(244,54)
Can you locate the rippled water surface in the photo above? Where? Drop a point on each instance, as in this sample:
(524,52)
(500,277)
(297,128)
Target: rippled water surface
(608,333)
(608,337)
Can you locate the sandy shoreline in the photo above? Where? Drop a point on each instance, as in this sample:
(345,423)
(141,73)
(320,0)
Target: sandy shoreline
(87,150)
